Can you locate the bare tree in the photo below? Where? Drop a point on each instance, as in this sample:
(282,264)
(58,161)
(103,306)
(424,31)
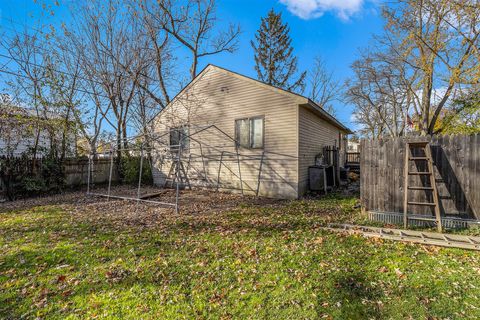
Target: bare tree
(48,102)
(94,112)
(111,56)
(159,73)
(192,24)
(324,88)
(23,50)
(380,92)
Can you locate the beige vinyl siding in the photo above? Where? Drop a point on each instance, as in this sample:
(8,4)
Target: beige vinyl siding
(219,97)
(314,134)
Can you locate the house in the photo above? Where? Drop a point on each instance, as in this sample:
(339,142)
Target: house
(236,133)
(21,129)
(353,146)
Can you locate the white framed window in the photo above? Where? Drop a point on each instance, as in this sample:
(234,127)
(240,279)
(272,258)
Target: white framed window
(249,132)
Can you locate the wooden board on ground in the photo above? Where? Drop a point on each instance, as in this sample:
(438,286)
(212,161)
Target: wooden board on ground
(422,237)
(151,195)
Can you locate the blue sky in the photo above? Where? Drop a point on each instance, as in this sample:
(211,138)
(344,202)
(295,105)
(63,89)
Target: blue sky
(333,29)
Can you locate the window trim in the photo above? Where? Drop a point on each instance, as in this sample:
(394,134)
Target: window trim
(262,117)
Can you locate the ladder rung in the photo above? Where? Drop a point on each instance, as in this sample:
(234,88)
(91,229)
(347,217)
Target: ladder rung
(418,158)
(422,204)
(419,173)
(420,188)
(418,143)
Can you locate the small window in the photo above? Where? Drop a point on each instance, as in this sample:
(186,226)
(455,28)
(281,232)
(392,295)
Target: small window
(179,137)
(249,132)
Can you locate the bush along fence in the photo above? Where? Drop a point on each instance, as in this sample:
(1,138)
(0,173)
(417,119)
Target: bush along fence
(25,176)
(456,166)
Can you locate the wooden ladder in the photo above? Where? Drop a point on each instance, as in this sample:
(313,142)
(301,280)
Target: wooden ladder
(177,170)
(426,157)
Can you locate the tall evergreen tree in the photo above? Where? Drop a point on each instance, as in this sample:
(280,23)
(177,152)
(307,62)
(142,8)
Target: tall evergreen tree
(274,60)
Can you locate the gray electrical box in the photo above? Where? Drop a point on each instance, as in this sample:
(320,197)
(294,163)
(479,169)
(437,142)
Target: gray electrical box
(317,178)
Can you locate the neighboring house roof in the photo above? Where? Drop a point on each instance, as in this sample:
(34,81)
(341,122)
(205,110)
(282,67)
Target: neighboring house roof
(28,113)
(303,101)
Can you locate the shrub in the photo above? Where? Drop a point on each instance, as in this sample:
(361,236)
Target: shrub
(130,171)
(31,185)
(21,176)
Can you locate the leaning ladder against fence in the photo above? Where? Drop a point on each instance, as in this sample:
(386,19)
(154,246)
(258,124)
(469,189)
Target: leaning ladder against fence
(456,160)
(425,157)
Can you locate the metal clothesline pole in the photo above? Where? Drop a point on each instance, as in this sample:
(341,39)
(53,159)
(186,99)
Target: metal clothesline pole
(239,170)
(110,174)
(219,170)
(92,168)
(203,163)
(177,174)
(88,172)
(140,171)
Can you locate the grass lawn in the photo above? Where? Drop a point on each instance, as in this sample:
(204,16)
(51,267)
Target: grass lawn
(254,261)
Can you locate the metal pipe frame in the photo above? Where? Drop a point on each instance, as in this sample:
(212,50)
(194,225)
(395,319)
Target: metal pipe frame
(130,198)
(110,174)
(156,138)
(138,199)
(140,171)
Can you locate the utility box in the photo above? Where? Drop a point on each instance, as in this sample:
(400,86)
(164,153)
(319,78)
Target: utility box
(317,178)
(331,176)
(344,174)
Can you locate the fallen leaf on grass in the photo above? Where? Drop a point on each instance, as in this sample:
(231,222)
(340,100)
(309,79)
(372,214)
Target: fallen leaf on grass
(431,249)
(383,269)
(67,293)
(400,274)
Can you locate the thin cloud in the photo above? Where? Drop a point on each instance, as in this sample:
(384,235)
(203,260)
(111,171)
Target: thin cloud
(310,9)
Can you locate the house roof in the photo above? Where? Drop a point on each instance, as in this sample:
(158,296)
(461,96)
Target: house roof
(11,109)
(303,101)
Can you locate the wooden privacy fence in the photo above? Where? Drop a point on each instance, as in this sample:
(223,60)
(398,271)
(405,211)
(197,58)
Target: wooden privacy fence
(75,170)
(456,160)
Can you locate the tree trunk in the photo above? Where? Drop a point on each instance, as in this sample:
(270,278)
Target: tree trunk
(193,68)
(426,96)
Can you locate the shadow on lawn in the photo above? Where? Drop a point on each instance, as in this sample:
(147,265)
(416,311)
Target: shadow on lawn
(355,294)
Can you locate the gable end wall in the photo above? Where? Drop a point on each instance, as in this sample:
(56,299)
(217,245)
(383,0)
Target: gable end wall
(219,98)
